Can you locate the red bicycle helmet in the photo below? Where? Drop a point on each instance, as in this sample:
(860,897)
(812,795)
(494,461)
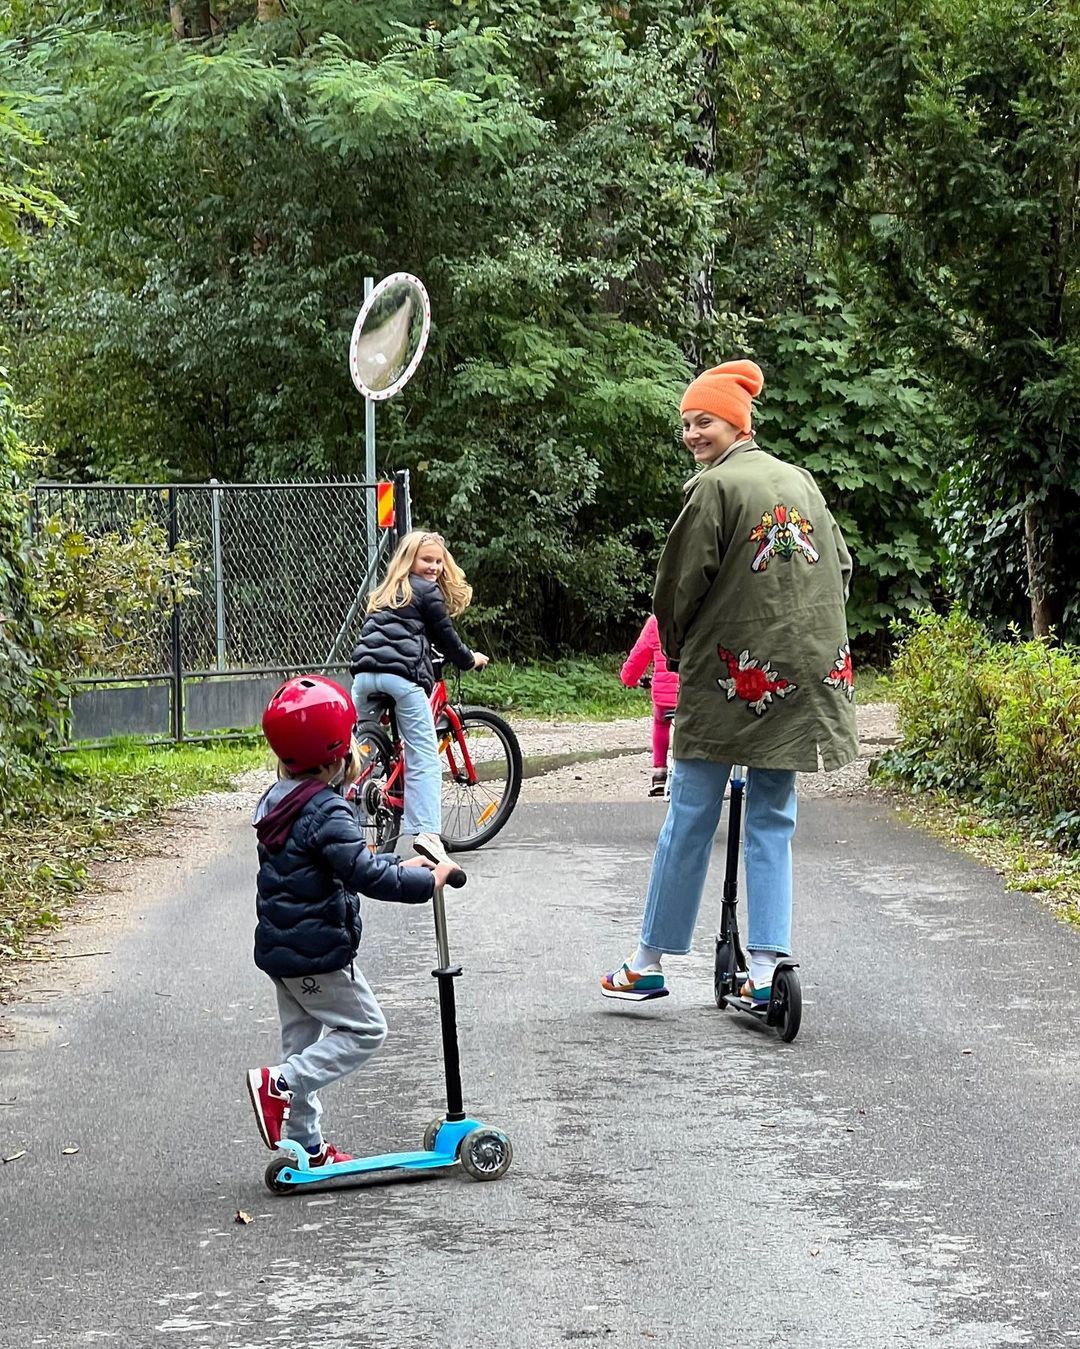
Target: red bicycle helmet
(309,722)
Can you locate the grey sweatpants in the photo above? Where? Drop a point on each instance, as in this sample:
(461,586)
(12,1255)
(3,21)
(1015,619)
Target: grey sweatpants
(330,1025)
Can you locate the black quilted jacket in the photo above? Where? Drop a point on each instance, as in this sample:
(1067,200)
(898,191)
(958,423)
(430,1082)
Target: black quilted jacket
(399,641)
(308,888)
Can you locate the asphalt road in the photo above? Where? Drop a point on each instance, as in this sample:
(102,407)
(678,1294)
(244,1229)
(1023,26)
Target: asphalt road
(904,1174)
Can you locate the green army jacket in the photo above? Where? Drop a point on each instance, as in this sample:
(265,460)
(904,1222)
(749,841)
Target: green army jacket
(749,598)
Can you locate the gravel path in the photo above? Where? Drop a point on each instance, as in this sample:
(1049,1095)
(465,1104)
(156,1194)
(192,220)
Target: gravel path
(626,776)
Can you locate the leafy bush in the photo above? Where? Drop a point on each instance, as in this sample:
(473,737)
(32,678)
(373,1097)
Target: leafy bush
(107,598)
(30,694)
(997,722)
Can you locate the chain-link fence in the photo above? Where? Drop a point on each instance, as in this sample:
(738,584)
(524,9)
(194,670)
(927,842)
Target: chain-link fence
(282,573)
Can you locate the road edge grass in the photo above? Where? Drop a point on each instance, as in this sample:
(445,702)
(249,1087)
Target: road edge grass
(1026,864)
(88,811)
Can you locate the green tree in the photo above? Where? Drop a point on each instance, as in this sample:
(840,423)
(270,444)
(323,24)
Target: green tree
(943,142)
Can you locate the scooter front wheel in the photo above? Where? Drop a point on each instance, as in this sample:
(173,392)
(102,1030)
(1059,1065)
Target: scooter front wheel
(485,1154)
(786,1011)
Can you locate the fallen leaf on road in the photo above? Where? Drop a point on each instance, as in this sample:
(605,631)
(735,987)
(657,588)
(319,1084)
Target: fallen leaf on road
(15,1156)
(68,1152)
(242,1217)
(967,1051)
(815,1250)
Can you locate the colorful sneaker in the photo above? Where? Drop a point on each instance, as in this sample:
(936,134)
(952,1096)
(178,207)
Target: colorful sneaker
(760,997)
(270,1103)
(327,1155)
(626,980)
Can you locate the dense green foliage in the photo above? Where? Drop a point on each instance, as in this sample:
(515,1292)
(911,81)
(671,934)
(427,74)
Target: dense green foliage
(879,205)
(993,721)
(586,194)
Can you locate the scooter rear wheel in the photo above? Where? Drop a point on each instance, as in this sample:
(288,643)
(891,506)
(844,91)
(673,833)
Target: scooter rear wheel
(274,1170)
(722,981)
(787,997)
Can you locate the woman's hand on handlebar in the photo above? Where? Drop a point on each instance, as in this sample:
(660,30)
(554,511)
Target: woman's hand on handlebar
(480,660)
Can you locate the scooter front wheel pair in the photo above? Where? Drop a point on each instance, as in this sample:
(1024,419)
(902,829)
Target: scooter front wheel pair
(484,1154)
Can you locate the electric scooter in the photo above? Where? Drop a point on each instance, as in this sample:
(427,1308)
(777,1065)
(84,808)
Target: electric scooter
(455,1140)
(783,1011)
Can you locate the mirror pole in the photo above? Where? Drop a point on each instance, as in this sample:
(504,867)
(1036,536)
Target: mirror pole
(369,465)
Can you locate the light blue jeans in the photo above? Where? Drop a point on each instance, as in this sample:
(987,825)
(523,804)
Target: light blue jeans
(416,726)
(681,860)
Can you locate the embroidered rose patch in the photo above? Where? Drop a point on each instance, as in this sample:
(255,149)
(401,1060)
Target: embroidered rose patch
(841,676)
(752,681)
(784,532)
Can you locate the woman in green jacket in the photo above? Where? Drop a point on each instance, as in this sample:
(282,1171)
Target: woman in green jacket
(749,598)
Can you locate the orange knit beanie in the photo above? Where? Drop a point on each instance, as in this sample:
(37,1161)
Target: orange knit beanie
(726,391)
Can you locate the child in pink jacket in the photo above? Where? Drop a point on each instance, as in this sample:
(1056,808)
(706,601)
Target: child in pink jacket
(665,694)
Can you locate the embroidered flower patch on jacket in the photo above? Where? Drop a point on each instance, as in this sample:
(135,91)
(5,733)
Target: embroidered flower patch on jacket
(752,681)
(841,676)
(784,532)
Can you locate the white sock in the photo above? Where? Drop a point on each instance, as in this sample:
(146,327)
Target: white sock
(644,958)
(762,965)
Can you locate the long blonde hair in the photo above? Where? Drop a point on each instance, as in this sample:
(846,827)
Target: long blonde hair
(396,591)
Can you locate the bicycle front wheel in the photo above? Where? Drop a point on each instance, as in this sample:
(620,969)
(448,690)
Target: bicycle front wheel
(481,777)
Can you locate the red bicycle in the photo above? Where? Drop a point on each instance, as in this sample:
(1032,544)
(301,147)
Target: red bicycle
(481,773)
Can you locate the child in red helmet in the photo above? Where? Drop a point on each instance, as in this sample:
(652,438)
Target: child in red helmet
(314,863)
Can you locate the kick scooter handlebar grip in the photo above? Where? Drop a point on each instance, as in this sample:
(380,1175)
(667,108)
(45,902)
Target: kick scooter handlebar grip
(456,879)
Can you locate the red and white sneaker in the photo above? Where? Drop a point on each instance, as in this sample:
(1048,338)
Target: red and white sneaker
(270,1103)
(327,1155)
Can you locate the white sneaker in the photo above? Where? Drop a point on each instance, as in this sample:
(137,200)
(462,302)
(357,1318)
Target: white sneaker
(431,847)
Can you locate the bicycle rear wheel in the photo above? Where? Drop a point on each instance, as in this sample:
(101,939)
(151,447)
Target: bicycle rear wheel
(380,821)
(481,777)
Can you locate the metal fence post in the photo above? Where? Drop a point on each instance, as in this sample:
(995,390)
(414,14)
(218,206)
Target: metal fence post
(372,532)
(177,662)
(219,573)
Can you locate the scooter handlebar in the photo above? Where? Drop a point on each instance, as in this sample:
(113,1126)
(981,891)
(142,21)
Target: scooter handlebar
(456,879)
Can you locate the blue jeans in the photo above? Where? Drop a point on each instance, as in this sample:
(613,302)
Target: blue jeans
(681,860)
(416,726)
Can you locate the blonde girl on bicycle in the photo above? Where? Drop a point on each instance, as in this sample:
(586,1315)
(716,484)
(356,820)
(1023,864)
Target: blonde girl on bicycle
(408,615)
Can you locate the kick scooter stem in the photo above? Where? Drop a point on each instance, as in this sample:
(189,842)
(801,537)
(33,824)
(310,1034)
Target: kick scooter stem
(446,974)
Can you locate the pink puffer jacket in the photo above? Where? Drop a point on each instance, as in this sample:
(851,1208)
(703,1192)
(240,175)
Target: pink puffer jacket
(647,651)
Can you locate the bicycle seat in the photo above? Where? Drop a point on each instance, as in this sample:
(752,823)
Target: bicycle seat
(381,702)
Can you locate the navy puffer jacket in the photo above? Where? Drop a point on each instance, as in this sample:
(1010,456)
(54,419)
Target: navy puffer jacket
(309,885)
(399,641)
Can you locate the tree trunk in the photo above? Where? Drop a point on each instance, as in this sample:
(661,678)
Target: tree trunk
(200,24)
(703,158)
(1037,548)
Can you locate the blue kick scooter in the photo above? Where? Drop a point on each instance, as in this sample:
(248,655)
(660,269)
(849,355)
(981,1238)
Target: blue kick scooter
(453,1141)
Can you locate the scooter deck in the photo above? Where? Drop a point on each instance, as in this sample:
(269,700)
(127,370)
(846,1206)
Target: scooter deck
(647,996)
